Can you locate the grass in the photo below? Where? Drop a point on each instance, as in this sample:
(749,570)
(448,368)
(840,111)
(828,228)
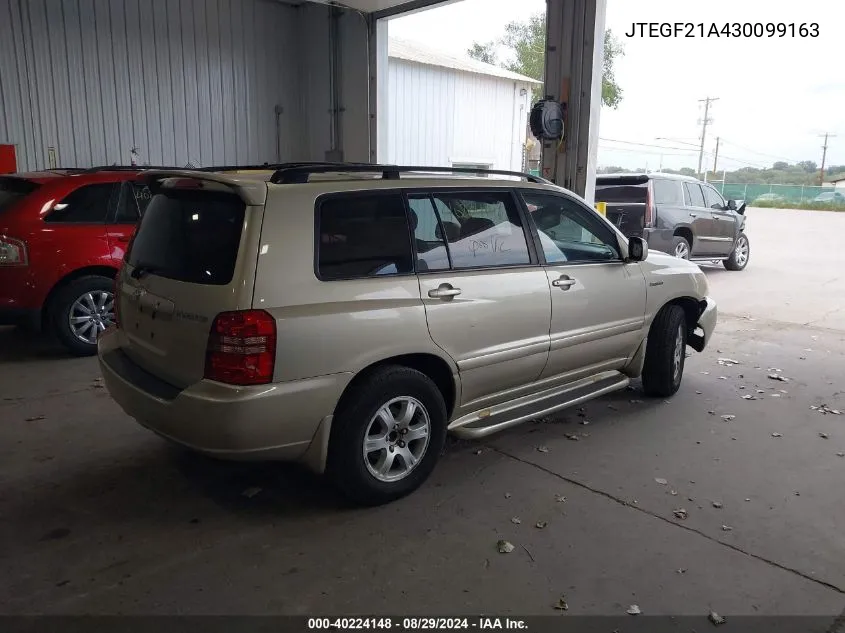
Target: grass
(807,204)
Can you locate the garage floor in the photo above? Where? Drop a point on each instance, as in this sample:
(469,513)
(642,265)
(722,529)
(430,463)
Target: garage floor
(99,516)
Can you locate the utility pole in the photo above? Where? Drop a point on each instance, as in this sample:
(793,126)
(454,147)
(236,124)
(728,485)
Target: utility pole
(826,135)
(704,123)
(716,156)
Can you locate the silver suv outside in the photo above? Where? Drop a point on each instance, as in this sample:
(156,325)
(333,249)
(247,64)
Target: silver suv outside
(349,317)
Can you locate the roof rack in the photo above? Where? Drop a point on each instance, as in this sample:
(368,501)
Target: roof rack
(93,170)
(299,174)
(273,166)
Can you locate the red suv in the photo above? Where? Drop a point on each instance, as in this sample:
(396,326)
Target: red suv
(63,234)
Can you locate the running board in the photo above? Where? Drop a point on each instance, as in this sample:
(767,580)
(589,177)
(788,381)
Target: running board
(497,418)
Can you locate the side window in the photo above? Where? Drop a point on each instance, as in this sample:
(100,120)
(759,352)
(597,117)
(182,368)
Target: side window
(714,200)
(694,196)
(428,234)
(87,205)
(570,232)
(134,198)
(482,229)
(363,236)
(667,192)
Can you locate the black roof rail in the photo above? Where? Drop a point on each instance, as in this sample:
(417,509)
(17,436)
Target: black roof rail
(299,174)
(272,166)
(93,170)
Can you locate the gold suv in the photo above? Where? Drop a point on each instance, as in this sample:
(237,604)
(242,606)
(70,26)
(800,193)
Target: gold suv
(350,316)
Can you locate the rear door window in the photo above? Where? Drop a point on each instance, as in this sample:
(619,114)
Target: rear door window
(13,189)
(90,204)
(190,235)
(667,192)
(694,196)
(363,236)
(134,198)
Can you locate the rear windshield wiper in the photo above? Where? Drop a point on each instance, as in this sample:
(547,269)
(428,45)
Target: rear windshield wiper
(145,269)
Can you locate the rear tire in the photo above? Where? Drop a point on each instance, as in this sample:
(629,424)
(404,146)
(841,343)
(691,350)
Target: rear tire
(370,428)
(740,255)
(680,247)
(665,353)
(71,303)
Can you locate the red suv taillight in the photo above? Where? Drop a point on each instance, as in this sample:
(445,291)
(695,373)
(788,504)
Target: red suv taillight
(242,348)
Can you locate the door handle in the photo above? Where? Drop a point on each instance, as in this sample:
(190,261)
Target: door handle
(564,283)
(445,292)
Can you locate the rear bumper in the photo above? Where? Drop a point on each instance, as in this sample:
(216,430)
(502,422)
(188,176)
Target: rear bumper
(266,422)
(706,323)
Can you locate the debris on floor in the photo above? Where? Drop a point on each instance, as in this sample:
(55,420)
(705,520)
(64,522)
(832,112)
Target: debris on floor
(35,418)
(723,377)
(824,436)
(840,454)
(572,437)
(716,619)
(777,434)
(728,418)
(778,377)
(633,610)
(661,481)
(825,410)
(504,547)
(249,493)
(560,499)
(478,452)
(541,525)
(761,391)
(748,396)
(507,495)
(729,362)
(718,505)
(674,493)
(712,412)
(726,528)
(680,513)
(699,393)
(561,604)
(542,449)
(612,408)
(636,401)
(681,571)
(516,520)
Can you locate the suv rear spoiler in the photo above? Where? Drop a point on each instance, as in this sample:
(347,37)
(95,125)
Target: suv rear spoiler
(622,180)
(251,190)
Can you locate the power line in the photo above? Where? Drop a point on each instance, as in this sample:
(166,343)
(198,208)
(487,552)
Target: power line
(788,160)
(681,149)
(613,140)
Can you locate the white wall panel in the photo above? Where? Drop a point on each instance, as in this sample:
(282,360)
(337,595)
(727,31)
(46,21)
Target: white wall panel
(441,116)
(183,80)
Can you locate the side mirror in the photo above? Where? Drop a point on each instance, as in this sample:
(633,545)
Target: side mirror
(637,249)
(741,209)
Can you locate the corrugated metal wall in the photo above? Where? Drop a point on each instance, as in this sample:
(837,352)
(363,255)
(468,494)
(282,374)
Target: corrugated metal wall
(440,116)
(184,81)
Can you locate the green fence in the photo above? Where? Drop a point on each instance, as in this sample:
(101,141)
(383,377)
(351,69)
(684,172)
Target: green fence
(772,193)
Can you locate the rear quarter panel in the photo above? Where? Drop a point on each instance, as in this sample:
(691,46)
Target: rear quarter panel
(328,327)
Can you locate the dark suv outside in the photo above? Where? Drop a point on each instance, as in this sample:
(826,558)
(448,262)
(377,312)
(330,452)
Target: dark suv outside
(678,215)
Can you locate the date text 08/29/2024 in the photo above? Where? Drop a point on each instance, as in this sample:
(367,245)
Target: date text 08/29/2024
(726,29)
(416,624)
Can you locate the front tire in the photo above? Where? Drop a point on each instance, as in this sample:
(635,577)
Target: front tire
(387,436)
(81,311)
(665,353)
(740,255)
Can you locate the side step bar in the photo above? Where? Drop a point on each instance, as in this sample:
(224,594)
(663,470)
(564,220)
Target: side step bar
(497,418)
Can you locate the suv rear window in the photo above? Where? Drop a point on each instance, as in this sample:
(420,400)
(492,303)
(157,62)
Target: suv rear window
(363,236)
(13,189)
(190,235)
(667,192)
(622,193)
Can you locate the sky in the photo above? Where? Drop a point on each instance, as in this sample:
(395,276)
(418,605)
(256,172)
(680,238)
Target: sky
(776,96)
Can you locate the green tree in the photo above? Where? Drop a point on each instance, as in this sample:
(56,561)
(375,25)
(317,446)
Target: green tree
(809,166)
(484,52)
(780,165)
(527,43)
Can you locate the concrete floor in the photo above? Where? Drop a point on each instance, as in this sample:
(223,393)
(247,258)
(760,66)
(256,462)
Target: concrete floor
(99,516)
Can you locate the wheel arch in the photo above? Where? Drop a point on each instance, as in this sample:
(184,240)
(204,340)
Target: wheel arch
(693,308)
(684,232)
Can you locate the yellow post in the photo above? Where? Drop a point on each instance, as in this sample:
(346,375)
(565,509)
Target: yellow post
(601,207)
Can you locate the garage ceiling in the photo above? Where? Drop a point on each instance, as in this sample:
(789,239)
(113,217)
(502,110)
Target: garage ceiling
(386,8)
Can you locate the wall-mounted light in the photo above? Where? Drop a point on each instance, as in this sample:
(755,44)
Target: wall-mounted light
(523,92)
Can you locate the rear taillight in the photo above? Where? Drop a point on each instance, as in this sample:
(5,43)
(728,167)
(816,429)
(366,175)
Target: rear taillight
(649,208)
(242,348)
(12,252)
